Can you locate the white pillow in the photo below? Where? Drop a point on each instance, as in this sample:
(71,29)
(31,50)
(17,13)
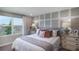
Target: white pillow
(54,33)
(41,33)
(37,31)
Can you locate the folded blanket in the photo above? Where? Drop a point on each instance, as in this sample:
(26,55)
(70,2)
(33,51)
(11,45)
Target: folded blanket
(45,45)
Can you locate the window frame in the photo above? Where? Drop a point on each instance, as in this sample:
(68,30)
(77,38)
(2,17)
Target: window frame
(12,27)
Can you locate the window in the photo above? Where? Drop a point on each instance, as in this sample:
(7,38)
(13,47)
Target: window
(47,23)
(10,25)
(17,25)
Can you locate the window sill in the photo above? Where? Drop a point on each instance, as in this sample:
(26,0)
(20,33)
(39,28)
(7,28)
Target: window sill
(11,35)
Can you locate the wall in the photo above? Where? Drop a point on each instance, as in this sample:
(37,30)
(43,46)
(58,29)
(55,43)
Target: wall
(3,13)
(75,18)
(75,23)
(8,39)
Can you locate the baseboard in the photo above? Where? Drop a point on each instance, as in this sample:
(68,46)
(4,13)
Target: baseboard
(5,44)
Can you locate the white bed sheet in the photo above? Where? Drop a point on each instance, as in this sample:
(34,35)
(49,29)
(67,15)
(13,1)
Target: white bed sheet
(22,45)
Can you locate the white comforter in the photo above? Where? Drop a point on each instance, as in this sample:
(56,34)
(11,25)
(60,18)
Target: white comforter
(22,45)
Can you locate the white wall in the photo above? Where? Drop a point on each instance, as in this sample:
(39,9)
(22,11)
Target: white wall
(8,39)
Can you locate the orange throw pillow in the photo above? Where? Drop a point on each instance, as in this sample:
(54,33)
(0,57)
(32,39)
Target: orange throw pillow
(48,34)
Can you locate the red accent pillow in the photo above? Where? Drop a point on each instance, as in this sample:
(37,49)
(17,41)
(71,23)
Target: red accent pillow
(48,34)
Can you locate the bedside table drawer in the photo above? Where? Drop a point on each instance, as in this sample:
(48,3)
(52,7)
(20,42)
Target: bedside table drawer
(72,39)
(72,43)
(63,43)
(70,47)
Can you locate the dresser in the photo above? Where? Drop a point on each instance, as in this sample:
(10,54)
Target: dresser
(70,42)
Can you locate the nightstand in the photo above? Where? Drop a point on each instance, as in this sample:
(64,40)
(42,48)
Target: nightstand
(70,42)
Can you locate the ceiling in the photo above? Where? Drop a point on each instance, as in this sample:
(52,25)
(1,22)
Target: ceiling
(32,11)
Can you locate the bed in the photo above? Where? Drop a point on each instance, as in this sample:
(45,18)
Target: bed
(35,43)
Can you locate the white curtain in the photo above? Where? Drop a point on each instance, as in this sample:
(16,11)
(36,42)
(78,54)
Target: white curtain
(27,22)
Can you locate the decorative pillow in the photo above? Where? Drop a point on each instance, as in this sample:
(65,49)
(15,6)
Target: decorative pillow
(41,33)
(54,33)
(37,31)
(48,34)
